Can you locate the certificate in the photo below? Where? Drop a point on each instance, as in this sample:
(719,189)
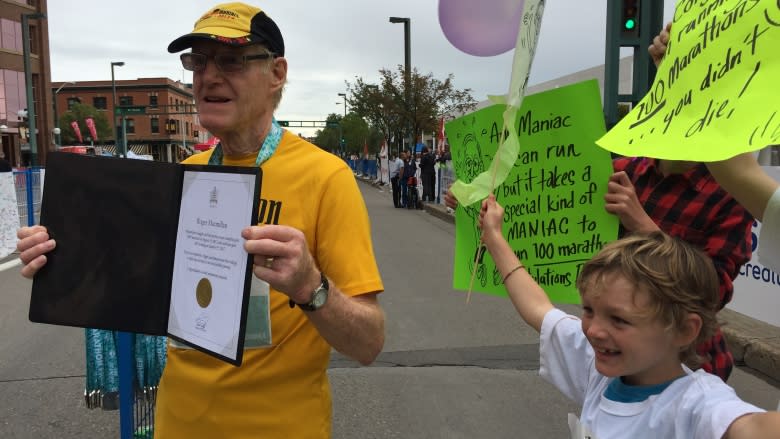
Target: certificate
(210,272)
(148,247)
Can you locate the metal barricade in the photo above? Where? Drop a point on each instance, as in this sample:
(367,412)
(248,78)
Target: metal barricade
(369,168)
(28,195)
(446,178)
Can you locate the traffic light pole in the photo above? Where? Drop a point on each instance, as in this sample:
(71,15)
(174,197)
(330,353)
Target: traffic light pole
(632,24)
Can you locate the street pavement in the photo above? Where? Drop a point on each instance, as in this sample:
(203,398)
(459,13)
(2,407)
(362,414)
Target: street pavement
(449,369)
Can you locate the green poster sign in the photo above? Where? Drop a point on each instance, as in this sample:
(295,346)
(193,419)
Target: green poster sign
(553,197)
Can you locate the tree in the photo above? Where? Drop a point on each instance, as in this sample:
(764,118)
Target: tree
(385,108)
(355,132)
(79,113)
(328,138)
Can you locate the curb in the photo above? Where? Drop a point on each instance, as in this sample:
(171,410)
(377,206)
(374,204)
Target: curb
(754,344)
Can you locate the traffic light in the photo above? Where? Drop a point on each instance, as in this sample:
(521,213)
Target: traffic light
(629,14)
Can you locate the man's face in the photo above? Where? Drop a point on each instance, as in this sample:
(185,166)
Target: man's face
(235,101)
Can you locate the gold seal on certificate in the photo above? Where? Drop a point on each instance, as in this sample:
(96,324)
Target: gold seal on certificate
(203,292)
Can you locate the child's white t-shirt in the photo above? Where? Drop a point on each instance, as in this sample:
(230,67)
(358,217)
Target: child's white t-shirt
(698,405)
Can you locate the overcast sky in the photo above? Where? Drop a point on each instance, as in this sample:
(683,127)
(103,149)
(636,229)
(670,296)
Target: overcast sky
(326,43)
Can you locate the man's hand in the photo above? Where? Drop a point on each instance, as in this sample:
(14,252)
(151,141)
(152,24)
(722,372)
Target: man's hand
(33,244)
(353,325)
(621,200)
(657,50)
(281,257)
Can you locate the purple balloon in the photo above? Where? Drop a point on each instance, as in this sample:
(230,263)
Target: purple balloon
(481,28)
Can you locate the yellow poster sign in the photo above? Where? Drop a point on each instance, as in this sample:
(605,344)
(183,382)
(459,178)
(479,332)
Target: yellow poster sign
(716,92)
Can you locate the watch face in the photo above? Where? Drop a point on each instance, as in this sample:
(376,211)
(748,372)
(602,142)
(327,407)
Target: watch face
(320,296)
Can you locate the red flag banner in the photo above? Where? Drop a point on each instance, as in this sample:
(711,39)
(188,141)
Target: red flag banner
(77,130)
(91,126)
(365,149)
(440,135)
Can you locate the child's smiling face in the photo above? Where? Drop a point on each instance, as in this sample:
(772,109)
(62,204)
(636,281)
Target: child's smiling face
(628,339)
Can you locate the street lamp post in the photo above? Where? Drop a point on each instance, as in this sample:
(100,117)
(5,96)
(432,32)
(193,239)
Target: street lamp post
(344,95)
(113,104)
(57,130)
(407,61)
(28,83)
(341,132)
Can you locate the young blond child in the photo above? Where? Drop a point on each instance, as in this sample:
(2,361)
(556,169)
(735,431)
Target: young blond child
(647,301)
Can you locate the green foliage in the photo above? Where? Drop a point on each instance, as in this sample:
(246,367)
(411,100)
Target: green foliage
(355,132)
(328,138)
(80,112)
(388,110)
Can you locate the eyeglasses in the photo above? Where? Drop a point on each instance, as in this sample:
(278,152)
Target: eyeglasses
(225,62)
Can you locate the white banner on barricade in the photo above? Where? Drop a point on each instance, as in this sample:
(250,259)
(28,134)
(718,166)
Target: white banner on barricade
(757,287)
(9,214)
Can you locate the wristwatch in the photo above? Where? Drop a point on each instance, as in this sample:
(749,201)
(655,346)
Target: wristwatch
(318,297)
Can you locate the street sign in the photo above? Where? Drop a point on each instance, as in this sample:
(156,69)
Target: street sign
(331,124)
(130,109)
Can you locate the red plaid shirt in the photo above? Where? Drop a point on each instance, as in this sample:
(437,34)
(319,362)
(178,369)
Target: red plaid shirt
(693,207)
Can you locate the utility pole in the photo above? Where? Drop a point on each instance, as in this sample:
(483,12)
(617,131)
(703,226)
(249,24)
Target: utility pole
(632,24)
(28,85)
(407,70)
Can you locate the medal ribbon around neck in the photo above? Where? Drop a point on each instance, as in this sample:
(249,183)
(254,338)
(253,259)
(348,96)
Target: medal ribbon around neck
(270,144)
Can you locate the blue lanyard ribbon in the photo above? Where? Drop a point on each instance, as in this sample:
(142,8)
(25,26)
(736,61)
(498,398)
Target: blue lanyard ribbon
(270,144)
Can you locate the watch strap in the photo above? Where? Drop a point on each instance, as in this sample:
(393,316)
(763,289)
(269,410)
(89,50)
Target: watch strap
(311,306)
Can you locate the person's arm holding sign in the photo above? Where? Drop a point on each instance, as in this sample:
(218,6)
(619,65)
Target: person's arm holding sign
(529,299)
(622,201)
(746,181)
(657,50)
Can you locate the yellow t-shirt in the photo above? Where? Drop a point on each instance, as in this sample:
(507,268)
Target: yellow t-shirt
(281,391)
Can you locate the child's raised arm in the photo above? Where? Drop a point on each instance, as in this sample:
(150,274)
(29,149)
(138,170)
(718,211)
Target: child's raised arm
(527,296)
(755,426)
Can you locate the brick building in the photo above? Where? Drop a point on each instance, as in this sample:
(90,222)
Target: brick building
(13,93)
(160,121)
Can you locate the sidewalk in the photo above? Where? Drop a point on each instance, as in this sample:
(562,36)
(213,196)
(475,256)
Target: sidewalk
(753,343)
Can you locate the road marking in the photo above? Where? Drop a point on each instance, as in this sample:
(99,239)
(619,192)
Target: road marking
(10,264)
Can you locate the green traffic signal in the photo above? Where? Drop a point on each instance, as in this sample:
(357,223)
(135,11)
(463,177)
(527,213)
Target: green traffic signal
(629,24)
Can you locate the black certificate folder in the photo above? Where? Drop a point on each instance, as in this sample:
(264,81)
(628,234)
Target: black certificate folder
(117,227)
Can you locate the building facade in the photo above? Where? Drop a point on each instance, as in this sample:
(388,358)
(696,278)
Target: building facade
(157,114)
(14,132)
